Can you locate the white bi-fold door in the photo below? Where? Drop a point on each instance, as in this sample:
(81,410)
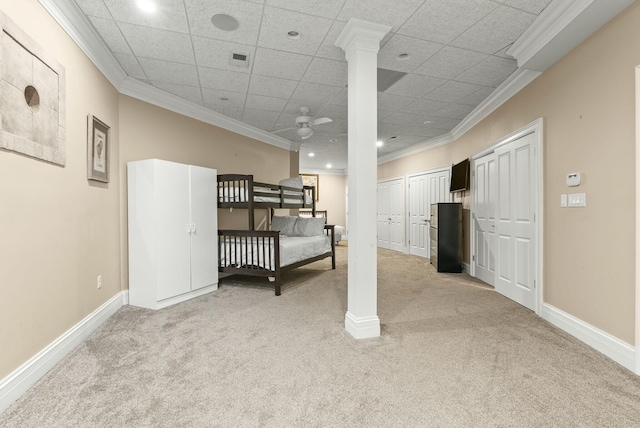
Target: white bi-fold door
(391,214)
(484,218)
(425,189)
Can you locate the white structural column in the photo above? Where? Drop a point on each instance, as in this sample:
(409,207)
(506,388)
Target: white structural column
(361,41)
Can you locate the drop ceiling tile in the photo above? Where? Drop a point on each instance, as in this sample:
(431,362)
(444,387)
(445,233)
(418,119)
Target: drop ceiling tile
(419,51)
(260,116)
(449,62)
(342,98)
(131,66)
(158,44)
(321,94)
(277,22)
(495,31)
(490,72)
(261,102)
(214,78)
(422,131)
(442,21)
(248,15)
(424,106)
(328,49)
(327,71)
(217,54)
(393,102)
(170,72)
(454,111)
(383,113)
(170,15)
(531,6)
(415,85)
(286,65)
(401,118)
(232,112)
(335,112)
(94,8)
(386,130)
(440,123)
(286,120)
(477,97)
(323,8)
(380,11)
(272,86)
(265,126)
(215,97)
(110,33)
(452,91)
(189,93)
(294,105)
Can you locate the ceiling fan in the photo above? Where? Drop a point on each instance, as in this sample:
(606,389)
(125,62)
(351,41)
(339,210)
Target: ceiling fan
(305,124)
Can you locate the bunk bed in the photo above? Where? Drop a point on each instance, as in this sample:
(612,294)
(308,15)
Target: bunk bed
(269,253)
(338,230)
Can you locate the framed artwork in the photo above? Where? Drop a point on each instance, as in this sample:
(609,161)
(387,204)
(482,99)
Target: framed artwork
(98,140)
(312,180)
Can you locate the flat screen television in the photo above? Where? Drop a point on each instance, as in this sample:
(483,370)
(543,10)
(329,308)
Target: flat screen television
(460,176)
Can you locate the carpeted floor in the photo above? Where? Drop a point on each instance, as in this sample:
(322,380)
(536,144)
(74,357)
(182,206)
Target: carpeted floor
(453,353)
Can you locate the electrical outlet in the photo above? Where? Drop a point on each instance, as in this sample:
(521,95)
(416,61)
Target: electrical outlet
(99,281)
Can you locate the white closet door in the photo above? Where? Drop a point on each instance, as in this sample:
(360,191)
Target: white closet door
(515,224)
(204,220)
(384,215)
(484,218)
(396,214)
(172,229)
(419,216)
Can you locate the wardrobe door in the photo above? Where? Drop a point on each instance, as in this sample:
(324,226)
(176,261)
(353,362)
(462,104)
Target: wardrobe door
(173,233)
(204,220)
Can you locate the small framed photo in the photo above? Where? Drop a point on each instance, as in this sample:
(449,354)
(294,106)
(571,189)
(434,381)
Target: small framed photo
(312,180)
(98,141)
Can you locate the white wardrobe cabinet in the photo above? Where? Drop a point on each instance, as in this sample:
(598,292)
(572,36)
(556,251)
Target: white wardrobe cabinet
(173,232)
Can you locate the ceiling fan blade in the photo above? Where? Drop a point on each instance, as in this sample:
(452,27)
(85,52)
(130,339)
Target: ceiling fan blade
(321,120)
(282,130)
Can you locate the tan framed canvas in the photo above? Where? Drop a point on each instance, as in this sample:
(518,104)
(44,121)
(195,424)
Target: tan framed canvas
(312,180)
(98,156)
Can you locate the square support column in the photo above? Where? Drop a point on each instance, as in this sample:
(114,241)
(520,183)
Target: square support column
(361,42)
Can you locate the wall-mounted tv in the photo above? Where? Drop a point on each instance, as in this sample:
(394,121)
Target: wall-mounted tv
(460,179)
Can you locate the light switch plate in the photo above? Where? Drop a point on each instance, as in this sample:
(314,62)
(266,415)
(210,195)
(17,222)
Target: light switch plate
(577,200)
(563,200)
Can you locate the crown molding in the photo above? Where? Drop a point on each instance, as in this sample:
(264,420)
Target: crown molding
(72,20)
(417,148)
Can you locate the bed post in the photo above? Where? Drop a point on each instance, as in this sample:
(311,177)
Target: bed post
(252,225)
(276,257)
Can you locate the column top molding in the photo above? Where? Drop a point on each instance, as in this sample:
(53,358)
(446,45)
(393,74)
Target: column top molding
(361,35)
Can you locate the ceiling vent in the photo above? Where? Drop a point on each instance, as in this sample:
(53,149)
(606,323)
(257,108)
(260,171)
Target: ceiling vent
(239,60)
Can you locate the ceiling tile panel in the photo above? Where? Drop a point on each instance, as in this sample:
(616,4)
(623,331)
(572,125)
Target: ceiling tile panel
(261,102)
(216,97)
(191,93)
(419,51)
(477,97)
(94,8)
(490,72)
(424,106)
(495,31)
(214,78)
(323,8)
(442,21)
(110,33)
(333,111)
(260,116)
(170,14)
(531,6)
(380,11)
(131,66)
(414,85)
(170,72)
(437,122)
(449,62)
(393,102)
(452,91)
(264,125)
(158,44)
(342,97)
(277,22)
(328,49)
(272,86)
(233,112)
(327,71)
(248,15)
(294,105)
(286,65)
(454,111)
(217,54)
(401,118)
(322,94)
(422,131)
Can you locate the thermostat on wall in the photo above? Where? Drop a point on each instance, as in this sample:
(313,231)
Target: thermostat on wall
(573,179)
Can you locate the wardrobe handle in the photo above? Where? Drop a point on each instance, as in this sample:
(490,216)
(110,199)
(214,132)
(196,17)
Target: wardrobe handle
(188,228)
(193,228)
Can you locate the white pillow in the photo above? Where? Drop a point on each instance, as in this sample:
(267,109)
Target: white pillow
(283,224)
(295,182)
(309,227)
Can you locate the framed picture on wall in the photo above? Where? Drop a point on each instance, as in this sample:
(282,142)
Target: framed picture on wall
(98,141)
(312,180)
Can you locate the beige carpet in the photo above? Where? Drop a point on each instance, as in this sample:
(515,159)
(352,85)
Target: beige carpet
(453,353)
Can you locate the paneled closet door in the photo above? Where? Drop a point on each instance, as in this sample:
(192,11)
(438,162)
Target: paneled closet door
(204,220)
(172,229)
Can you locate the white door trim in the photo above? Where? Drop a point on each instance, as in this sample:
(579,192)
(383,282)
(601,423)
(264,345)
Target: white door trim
(637,278)
(536,126)
(407,201)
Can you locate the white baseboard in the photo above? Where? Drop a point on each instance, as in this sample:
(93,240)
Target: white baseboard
(466,268)
(614,348)
(25,376)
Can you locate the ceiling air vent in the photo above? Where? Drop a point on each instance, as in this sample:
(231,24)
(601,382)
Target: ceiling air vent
(239,60)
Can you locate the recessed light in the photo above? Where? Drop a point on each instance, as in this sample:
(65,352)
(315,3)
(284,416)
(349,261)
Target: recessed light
(403,56)
(224,99)
(379,143)
(146,5)
(428,122)
(293,34)
(224,22)
(333,140)
(328,166)
(311,154)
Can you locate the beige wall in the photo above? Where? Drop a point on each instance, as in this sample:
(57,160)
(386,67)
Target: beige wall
(58,230)
(147,131)
(333,198)
(587,103)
